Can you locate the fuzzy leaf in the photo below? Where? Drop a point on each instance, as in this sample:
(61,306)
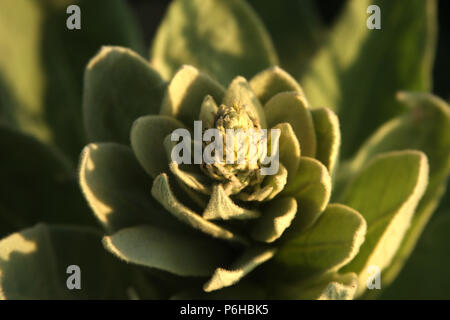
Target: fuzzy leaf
(277,217)
(117,188)
(428,122)
(241,93)
(328,135)
(208,112)
(179,253)
(249,260)
(386,193)
(292,107)
(312,189)
(288,21)
(161,192)
(430,257)
(289,150)
(36,184)
(33,265)
(119,87)
(366,103)
(189,34)
(330,243)
(147,140)
(220,206)
(271,81)
(186,92)
(193,180)
(270,187)
(42,62)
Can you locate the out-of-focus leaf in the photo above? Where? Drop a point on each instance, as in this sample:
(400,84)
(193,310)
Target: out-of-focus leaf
(42,62)
(36,184)
(386,193)
(7,104)
(349,72)
(330,243)
(425,274)
(222,38)
(181,254)
(296,29)
(34,262)
(119,87)
(428,121)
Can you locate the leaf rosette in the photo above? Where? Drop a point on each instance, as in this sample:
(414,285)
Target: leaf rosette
(220,222)
(312,229)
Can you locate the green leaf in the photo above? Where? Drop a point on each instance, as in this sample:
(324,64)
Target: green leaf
(271,81)
(208,112)
(289,150)
(42,62)
(312,189)
(429,258)
(386,193)
(147,140)
(239,92)
(221,38)
(328,135)
(179,253)
(270,187)
(366,103)
(328,286)
(277,217)
(193,180)
(36,184)
(428,122)
(119,87)
(296,29)
(186,92)
(292,107)
(117,188)
(33,265)
(249,260)
(220,206)
(161,191)
(329,244)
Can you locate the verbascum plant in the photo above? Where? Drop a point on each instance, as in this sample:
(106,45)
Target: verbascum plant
(224,224)
(333,212)
(219,222)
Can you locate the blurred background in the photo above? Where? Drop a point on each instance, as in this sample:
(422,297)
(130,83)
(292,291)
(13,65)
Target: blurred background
(150,13)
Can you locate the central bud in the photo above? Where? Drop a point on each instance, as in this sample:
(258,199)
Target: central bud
(240,165)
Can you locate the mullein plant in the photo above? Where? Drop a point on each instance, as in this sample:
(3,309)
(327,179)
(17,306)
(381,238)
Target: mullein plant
(335,208)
